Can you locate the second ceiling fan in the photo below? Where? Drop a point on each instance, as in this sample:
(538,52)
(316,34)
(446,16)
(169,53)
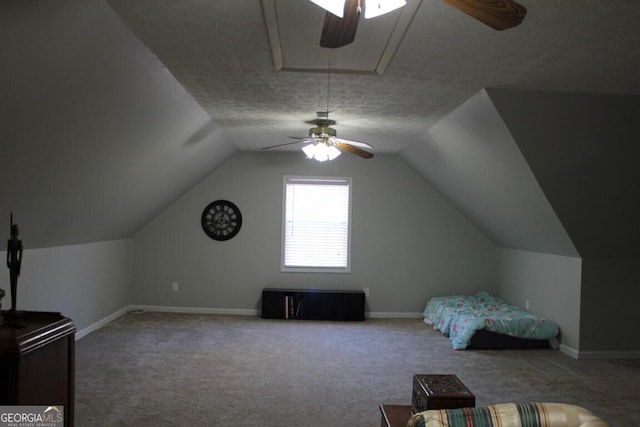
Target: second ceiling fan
(323,143)
(341,20)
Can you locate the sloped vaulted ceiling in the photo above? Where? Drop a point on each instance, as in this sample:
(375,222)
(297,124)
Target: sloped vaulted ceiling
(547,172)
(106,119)
(583,151)
(472,159)
(96,135)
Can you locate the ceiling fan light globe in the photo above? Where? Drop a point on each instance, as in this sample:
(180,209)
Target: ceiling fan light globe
(321,152)
(374,8)
(334,6)
(332,152)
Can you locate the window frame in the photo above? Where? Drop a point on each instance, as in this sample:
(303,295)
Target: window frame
(316,180)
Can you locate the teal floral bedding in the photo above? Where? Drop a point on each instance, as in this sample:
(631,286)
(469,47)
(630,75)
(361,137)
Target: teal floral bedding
(460,316)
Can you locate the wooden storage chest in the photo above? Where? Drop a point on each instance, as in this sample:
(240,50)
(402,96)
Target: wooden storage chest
(440,392)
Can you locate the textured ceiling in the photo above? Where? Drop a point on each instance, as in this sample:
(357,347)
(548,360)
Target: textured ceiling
(112,110)
(219,51)
(294,41)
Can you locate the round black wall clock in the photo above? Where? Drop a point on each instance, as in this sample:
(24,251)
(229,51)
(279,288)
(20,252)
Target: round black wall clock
(221,220)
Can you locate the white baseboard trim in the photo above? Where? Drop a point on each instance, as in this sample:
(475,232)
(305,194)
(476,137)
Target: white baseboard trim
(571,352)
(392,315)
(100,323)
(195,310)
(576,354)
(204,310)
(249,312)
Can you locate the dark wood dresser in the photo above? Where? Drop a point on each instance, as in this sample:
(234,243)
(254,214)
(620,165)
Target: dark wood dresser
(37,361)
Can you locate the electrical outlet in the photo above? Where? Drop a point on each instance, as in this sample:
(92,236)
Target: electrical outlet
(366,292)
(175,286)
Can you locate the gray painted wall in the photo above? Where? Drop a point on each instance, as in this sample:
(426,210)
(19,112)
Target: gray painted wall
(583,151)
(86,282)
(551,285)
(550,173)
(90,120)
(473,160)
(610,295)
(408,243)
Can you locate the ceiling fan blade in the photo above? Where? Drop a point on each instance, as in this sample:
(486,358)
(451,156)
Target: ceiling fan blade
(354,143)
(299,140)
(338,32)
(498,14)
(353,150)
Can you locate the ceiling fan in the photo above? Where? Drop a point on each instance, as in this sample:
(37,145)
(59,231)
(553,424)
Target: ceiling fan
(323,144)
(341,19)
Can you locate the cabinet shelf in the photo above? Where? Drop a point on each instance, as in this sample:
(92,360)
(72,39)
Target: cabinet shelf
(312,304)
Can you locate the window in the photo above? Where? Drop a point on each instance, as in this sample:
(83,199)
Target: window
(316,224)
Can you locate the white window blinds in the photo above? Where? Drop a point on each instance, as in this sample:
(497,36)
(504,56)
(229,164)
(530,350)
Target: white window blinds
(316,224)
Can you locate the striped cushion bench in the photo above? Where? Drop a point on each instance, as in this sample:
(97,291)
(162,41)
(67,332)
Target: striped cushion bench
(509,415)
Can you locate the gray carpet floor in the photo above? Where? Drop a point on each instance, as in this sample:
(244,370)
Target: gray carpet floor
(167,369)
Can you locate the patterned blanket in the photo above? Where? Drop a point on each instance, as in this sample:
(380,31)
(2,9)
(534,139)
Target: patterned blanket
(460,316)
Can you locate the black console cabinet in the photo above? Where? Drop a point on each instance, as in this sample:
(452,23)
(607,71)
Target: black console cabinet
(312,304)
